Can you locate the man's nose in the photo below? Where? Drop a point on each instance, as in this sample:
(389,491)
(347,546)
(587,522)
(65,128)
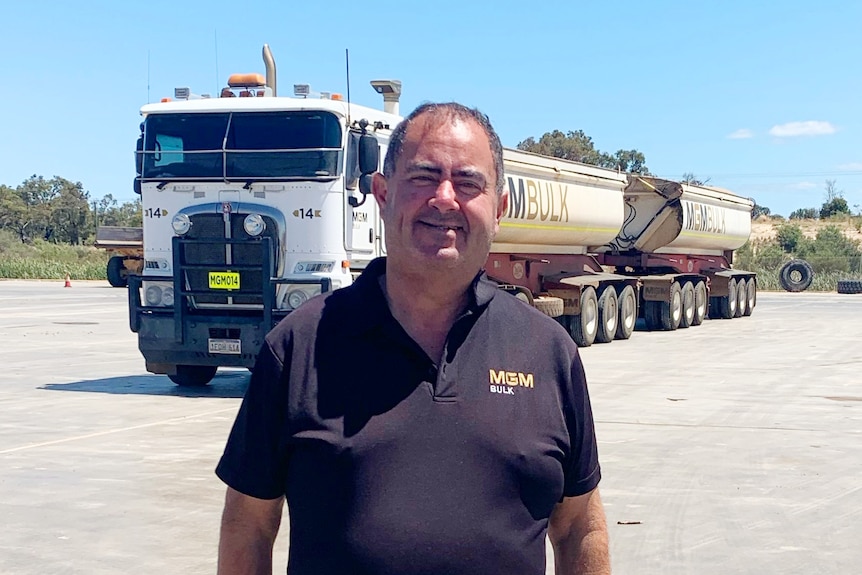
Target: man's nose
(444,197)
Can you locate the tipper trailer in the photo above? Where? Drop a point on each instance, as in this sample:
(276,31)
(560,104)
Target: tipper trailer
(253,203)
(598,249)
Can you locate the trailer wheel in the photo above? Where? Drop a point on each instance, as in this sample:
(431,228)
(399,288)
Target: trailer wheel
(849,286)
(628,305)
(671,310)
(750,295)
(583,327)
(193,375)
(727,304)
(796,275)
(115,272)
(741,297)
(686,318)
(608,315)
(701,303)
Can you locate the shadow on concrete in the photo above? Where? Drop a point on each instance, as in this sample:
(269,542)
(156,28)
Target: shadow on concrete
(226,383)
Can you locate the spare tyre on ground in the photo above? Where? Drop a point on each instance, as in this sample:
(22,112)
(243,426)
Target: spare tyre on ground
(796,275)
(849,286)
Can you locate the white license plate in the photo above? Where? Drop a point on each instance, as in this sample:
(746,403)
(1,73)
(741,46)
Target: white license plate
(228,346)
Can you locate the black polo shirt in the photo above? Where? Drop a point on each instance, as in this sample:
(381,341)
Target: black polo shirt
(393,465)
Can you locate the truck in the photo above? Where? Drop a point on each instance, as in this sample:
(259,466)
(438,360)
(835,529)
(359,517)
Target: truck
(125,247)
(253,203)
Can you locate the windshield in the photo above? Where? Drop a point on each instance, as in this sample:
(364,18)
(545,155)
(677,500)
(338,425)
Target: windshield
(242,146)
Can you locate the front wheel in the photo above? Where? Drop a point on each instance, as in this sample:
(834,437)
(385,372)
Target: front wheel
(193,375)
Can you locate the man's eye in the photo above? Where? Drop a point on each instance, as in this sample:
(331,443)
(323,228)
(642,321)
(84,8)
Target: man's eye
(469,187)
(423,179)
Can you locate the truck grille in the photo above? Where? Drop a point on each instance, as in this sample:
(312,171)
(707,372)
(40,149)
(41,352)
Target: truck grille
(198,259)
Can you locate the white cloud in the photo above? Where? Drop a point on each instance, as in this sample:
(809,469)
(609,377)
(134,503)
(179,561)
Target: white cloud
(809,128)
(851,167)
(803,185)
(741,134)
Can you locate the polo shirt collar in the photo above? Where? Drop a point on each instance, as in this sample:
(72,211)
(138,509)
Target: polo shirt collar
(376,310)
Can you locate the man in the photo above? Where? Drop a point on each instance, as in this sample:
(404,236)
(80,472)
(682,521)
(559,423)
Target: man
(420,420)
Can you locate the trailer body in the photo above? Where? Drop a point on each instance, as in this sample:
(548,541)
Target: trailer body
(125,247)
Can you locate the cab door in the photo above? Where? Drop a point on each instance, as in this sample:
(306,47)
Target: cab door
(360,221)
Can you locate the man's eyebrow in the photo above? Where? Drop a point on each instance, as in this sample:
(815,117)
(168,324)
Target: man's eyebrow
(469,173)
(432,168)
(424,167)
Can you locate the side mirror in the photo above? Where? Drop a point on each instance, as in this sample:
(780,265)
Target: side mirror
(139,156)
(369,154)
(364,188)
(369,160)
(137,185)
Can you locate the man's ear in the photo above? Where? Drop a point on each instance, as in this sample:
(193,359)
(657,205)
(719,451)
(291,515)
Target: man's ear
(502,205)
(380,189)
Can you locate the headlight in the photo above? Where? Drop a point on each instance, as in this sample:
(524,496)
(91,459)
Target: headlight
(181,224)
(168,297)
(153,295)
(158,294)
(296,298)
(254,225)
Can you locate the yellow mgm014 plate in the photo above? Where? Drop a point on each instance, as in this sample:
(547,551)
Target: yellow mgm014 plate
(224,280)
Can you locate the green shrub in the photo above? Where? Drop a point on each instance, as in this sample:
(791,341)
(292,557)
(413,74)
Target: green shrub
(46,260)
(789,236)
(831,250)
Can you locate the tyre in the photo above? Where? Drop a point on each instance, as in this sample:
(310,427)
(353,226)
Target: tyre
(750,295)
(584,326)
(727,304)
(628,305)
(550,306)
(741,298)
(849,286)
(796,275)
(115,274)
(193,375)
(671,310)
(701,303)
(608,315)
(686,318)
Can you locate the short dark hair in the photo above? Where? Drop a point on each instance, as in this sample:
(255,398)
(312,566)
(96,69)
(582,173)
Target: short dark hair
(452,110)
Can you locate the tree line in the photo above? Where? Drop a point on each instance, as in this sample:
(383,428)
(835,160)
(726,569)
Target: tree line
(60,211)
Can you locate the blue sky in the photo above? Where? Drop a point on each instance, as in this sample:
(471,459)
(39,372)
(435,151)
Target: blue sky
(761,98)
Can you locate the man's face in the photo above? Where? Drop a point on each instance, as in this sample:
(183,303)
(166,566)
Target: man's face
(440,207)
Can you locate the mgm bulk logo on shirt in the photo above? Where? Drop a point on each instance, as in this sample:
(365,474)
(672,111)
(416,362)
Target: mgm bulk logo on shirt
(505,382)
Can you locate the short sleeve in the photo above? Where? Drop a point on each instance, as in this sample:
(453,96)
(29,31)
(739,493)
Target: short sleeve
(582,472)
(255,459)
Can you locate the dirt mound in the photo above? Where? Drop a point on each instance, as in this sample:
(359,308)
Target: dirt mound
(764,228)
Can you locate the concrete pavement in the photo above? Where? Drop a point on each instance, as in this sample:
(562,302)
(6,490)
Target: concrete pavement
(732,447)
